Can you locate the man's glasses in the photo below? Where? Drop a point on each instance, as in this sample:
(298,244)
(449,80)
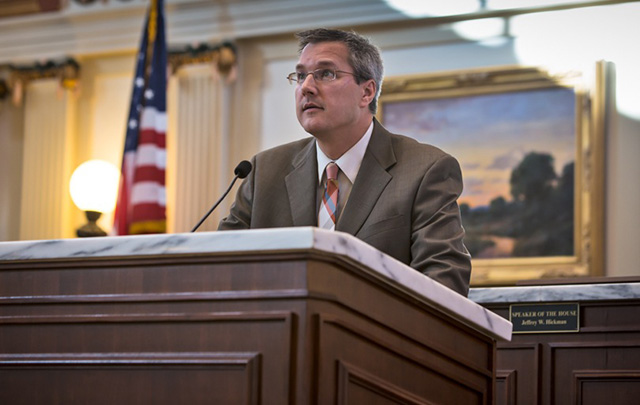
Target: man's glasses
(319,75)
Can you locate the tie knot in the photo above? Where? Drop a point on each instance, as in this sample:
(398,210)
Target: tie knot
(332,171)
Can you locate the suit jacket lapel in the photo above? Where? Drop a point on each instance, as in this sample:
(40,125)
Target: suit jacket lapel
(371,181)
(302,185)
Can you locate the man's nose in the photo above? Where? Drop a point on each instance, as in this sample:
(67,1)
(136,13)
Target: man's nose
(308,85)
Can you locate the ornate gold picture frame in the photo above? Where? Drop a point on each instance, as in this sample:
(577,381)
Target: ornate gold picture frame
(531,149)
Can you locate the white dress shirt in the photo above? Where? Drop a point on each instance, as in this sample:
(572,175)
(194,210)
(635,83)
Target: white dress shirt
(349,164)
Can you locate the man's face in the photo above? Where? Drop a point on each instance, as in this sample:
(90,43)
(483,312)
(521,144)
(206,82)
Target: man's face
(326,107)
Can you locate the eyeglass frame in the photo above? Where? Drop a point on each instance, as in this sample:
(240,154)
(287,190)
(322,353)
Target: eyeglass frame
(292,77)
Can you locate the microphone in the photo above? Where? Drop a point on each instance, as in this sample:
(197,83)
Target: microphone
(241,171)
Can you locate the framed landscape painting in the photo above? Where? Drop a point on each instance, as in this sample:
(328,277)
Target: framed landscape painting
(530,148)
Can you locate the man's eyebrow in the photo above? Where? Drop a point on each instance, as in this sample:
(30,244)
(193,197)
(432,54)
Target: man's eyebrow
(320,64)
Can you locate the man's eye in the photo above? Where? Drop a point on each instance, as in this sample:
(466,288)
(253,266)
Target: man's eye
(326,74)
(301,76)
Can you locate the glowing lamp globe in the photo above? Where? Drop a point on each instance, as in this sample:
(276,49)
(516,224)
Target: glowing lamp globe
(94,189)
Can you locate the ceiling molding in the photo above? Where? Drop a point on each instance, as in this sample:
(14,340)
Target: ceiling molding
(115,26)
(101,28)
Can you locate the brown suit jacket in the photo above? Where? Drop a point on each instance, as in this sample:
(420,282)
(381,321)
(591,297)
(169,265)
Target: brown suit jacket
(403,202)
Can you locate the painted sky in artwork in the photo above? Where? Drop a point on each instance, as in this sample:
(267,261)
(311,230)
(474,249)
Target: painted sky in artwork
(490,134)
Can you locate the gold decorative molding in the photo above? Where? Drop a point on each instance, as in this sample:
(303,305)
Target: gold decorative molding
(223,56)
(12,8)
(67,71)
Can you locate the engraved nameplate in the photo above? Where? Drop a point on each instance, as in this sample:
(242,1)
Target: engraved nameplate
(545,318)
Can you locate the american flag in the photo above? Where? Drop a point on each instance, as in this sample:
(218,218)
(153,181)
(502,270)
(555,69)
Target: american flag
(141,205)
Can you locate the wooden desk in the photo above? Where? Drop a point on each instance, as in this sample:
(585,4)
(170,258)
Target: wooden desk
(600,364)
(298,316)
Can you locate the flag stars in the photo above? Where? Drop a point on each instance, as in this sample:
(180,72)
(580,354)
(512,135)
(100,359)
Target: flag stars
(133,124)
(139,82)
(148,94)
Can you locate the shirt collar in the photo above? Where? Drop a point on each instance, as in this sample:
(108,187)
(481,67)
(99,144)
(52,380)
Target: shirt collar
(350,161)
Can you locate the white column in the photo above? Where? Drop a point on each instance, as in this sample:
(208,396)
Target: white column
(196,147)
(47,161)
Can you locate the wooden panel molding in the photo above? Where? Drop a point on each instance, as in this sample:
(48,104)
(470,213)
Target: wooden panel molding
(569,360)
(521,364)
(156,351)
(356,386)
(379,352)
(165,378)
(594,387)
(507,387)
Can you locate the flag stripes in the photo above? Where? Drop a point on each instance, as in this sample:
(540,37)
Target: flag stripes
(141,206)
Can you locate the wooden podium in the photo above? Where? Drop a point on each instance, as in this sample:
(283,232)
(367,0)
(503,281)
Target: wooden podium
(286,316)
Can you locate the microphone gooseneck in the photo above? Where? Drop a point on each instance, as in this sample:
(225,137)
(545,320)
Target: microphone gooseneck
(241,171)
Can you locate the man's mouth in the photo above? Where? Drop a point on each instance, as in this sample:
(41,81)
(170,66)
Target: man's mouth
(311,106)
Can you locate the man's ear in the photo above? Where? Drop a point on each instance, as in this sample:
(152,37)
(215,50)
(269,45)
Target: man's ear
(368,92)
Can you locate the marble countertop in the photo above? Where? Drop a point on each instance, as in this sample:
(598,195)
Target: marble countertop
(266,240)
(556,293)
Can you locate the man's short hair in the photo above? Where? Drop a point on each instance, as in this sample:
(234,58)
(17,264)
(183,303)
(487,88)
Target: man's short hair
(364,57)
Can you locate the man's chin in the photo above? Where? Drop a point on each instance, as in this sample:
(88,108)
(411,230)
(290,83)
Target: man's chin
(311,126)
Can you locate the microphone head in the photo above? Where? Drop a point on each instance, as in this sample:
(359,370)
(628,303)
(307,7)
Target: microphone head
(243,169)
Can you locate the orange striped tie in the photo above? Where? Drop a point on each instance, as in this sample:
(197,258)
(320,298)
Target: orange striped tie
(330,198)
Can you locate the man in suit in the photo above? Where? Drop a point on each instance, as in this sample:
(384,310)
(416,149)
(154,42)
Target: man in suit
(396,194)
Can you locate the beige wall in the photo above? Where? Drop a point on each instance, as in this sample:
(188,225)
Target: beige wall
(103,105)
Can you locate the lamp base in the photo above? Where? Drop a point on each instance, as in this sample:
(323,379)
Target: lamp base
(91,228)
